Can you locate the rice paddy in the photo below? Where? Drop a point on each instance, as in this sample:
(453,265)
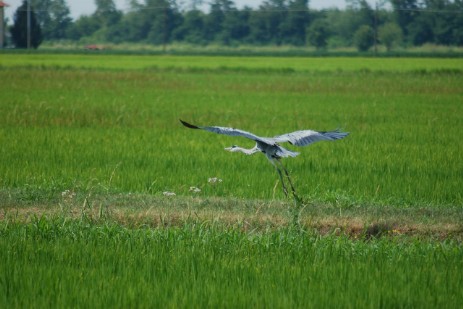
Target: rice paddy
(80,264)
(79,131)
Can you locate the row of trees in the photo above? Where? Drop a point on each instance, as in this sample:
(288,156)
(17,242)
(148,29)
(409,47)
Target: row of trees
(274,22)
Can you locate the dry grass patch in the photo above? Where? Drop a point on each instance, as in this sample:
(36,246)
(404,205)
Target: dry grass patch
(135,211)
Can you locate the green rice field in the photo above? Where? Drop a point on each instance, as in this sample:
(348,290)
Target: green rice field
(54,263)
(64,127)
(92,153)
(288,64)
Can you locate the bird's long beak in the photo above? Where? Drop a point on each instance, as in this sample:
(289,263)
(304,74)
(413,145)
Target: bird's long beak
(228,148)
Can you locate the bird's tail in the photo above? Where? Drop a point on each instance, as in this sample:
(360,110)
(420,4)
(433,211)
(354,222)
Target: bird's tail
(284,153)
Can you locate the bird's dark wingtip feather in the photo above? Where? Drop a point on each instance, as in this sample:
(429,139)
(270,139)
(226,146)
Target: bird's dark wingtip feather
(188,125)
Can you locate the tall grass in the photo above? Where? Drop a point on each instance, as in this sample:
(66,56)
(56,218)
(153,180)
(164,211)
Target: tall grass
(62,263)
(118,130)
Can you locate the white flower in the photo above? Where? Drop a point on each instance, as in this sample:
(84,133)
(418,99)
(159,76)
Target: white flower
(214,180)
(195,189)
(68,194)
(167,193)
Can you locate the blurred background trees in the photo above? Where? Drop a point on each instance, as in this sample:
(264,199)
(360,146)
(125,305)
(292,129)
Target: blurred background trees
(26,30)
(392,23)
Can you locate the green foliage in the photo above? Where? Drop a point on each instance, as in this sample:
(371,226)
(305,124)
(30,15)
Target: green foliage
(317,34)
(297,20)
(405,12)
(436,22)
(54,18)
(192,28)
(19,31)
(106,13)
(274,22)
(81,264)
(364,38)
(85,26)
(390,35)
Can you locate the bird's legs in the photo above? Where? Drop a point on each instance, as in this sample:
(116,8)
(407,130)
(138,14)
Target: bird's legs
(289,178)
(281,177)
(275,162)
(282,181)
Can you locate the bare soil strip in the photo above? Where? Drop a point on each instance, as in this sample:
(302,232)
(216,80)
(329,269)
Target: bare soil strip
(134,211)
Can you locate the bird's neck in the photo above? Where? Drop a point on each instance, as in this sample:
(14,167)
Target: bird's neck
(243,150)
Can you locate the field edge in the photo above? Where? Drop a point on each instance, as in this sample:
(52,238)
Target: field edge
(148,211)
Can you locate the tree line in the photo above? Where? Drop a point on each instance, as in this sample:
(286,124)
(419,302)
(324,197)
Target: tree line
(274,22)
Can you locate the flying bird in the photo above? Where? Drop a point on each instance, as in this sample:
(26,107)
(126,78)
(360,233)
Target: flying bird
(270,146)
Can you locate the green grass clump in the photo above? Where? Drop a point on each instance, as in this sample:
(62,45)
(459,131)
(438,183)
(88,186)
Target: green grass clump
(78,263)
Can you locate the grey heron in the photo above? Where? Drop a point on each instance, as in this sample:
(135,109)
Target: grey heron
(270,145)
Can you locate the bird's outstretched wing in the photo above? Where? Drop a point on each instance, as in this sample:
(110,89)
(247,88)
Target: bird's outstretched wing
(306,137)
(230,131)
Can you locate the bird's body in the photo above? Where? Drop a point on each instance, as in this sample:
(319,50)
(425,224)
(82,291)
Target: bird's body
(271,151)
(270,145)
